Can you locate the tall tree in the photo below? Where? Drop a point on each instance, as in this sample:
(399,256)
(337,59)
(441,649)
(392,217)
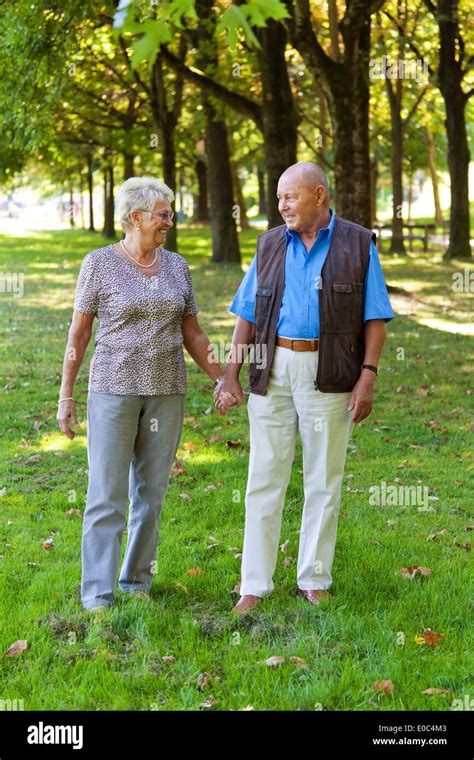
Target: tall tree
(452,69)
(346,83)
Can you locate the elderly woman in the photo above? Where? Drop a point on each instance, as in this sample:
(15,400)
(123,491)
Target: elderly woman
(142,296)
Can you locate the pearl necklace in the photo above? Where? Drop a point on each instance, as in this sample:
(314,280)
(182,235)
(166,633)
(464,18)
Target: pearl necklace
(145,266)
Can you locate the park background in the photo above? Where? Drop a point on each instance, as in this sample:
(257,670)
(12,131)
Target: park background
(218,99)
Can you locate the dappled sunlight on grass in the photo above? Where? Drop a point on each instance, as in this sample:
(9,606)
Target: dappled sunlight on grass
(58,441)
(445,326)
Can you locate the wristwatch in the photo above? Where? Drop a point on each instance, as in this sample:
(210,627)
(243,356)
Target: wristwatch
(370,366)
(216,382)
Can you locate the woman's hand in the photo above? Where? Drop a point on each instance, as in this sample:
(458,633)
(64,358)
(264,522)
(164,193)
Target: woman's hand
(67,413)
(227,394)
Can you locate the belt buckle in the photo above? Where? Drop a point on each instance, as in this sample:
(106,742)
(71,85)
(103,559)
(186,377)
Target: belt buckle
(293,340)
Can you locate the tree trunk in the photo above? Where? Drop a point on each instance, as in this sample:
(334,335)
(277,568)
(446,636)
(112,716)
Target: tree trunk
(450,76)
(278,112)
(90,191)
(128,169)
(373,189)
(202,208)
(168,159)
(396,161)
(239,196)
(109,204)
(350,106)
(410,195)
(347,87)
(225,241)
(431,154)
(458,161)
(71,207)
(166,118)
(262,195)
(81,196)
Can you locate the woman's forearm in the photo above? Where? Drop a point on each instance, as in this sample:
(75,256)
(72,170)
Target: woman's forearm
(199,348)
(73,356)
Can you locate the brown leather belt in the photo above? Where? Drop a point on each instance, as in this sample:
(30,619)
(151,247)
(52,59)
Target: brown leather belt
(298,345)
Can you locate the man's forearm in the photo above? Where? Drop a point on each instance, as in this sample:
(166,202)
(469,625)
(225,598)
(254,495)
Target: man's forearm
(375,333)
(242,340)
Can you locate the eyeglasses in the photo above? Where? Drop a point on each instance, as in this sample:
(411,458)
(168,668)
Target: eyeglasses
(164,215)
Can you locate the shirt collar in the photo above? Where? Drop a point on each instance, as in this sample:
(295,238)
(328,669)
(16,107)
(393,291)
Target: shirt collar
(326,230)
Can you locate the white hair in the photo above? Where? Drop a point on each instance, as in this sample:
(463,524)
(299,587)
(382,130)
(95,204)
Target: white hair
(140,193)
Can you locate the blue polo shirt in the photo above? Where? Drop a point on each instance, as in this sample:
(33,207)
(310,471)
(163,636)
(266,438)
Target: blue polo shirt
(299,311)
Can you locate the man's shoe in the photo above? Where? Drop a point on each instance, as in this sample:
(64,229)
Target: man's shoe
(246,603)
(315,595)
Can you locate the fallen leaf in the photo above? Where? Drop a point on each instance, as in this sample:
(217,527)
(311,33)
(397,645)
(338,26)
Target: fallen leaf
(194,571)
(209,703)
(185,497)
(431,638)
(203,679)
(386,686)
(466,546)
(16,648)
(236,589)
(441,532)
(298,661)
(234,444)
(410,572)
(75,512)
(190,446)
(182,587)
(178,469)
(211,488)
(169,659)
(48,544)
(275,660)
(429,692)
(284,546)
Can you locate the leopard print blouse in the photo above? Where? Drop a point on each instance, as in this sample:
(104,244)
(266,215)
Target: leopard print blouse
(139,343)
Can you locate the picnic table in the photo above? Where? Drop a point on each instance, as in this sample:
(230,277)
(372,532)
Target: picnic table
(425,230)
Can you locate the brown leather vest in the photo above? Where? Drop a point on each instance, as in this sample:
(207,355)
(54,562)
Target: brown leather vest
(341,306)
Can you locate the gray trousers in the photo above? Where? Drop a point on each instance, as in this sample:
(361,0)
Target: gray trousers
(131,445)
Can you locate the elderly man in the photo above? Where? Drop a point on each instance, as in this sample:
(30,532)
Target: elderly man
(314,305)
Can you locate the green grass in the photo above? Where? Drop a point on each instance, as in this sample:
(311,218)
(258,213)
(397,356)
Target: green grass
(418,432)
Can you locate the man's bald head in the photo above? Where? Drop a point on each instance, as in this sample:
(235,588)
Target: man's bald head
(303,197)
(311,174)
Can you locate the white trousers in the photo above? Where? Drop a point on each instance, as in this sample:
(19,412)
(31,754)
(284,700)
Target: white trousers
(325,424)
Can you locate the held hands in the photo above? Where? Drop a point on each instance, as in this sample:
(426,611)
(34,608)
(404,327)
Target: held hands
(228,393)
(362,396)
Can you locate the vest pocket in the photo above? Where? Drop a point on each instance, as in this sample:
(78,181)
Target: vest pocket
(348,296)
(262,301)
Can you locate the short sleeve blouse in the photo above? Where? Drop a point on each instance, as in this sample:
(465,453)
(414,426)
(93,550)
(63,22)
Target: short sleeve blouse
(139,342)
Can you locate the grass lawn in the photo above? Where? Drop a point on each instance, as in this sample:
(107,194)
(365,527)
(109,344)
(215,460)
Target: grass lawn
(417,435)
